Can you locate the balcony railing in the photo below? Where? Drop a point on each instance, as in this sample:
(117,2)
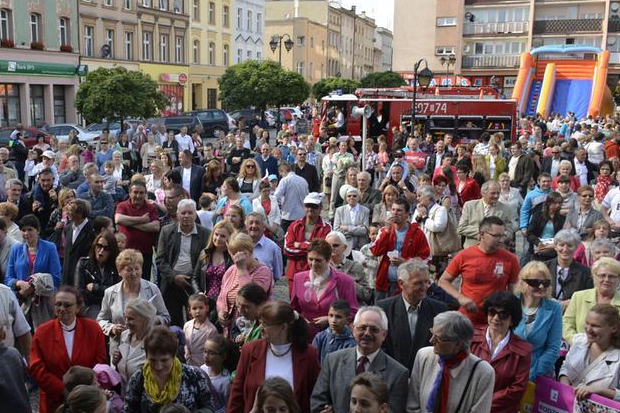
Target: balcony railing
(614,25)
(495,28)
(567,26)
(498,61)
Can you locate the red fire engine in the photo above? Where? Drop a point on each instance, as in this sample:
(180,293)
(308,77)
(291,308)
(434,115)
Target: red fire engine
(464,112)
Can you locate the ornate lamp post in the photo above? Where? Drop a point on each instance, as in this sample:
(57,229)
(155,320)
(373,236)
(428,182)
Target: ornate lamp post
(276,43)
(423,78)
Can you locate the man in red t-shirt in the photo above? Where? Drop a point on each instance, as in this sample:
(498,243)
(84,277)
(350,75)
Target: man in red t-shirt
(414,155)
(138,219)
(484,268)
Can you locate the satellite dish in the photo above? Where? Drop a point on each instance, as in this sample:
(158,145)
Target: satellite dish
(106,50)
(611,41)
(615,6)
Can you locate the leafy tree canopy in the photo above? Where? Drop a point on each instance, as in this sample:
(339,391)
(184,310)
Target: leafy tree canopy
(325,86)
(261,84)
(118,93)
(383,79)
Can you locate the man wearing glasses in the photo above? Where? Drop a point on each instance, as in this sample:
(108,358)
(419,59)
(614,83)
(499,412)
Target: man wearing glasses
(484,268)
(331,394)
(551,164)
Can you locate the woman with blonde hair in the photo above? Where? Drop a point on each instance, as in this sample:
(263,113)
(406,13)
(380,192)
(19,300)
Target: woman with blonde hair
(153,180)
(605,274)
(480,168)
(495,162)
(58,219)
(381,211)
(541,324)
(249,179)
(8,213)
(214,260)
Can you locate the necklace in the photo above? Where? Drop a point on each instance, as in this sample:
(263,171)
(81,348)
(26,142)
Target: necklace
(279,354)
(530,314)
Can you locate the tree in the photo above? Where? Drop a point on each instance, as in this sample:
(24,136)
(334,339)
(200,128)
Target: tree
(118,93)
(261,84)
(383,79)
(325,86)
(616,94)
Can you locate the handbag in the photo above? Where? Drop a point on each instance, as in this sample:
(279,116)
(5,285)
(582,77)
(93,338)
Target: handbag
(446,242)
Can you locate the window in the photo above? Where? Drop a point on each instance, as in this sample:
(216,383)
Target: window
(179,53)
(259,22)
(109,40)
(108,3)
(249,22)
(6,31)
(163,5)
(211,54)
(147,48)
(211,13)
(127,4)
(164,51)
(225,55)
(35,28)
(239,55)
(129,45)
(10,102)
(196,52)
(225,21)
(300,68)
(60,112)
(248,55)
(146,3)
(258,56)
(196,10)
(444,50)
(239,19)
(178,6)
(37,105)
(88,41)
(311,70)
(301,40)
(63,31)
(312,42)
(446,21)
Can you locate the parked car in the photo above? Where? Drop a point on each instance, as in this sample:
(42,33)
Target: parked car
(62,130)
(213,120)
(175,123)
(29,137)
(294,111)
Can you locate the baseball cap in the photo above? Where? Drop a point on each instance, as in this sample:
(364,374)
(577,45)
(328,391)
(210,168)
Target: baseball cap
(273,177)
(49,154)
(313,198)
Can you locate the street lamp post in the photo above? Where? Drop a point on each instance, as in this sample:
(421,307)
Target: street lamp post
(422,77)
(448,60)
(276,43)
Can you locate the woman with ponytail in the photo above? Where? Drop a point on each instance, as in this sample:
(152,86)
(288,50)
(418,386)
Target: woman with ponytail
(282,351)
(84,399)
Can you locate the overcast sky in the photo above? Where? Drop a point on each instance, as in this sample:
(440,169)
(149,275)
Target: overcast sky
(380,10)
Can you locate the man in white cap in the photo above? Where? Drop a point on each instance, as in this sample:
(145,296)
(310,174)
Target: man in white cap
(300,233)
(47,162)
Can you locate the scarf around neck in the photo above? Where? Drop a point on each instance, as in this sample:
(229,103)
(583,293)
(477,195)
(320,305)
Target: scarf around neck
(170,390)
(442,381)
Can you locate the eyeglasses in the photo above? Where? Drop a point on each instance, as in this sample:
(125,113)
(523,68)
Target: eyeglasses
(64,305)
(610,277)
(537,283)
(250,166)
(435,337)
(101,246)
(502,314)
(372,329)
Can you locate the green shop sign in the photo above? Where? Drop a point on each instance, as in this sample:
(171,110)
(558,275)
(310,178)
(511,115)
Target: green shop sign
(46,69)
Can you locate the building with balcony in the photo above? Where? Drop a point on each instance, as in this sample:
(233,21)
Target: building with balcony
(488,36)
(210,50)
(249,34)
(39,62)
(163,33)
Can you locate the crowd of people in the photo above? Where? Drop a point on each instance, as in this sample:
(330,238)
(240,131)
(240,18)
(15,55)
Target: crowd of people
(160,272)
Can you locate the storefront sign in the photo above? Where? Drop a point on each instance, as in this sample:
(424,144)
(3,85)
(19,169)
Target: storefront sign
(510,81)
(34,68)
(180,78)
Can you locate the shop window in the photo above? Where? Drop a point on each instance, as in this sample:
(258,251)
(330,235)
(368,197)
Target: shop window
(37,105)
(60,109)
(10,114)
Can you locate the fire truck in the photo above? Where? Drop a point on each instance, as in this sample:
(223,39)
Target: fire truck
(464,112)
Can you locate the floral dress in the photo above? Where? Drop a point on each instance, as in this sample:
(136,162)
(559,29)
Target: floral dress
(214,275)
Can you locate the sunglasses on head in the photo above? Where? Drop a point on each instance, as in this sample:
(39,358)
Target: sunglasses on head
(502,314)
(537,283)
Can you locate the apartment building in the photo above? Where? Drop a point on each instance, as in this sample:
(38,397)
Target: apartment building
(383,48)
(39,61)
(249,31)
(488,36)
(211,50)
(163,33)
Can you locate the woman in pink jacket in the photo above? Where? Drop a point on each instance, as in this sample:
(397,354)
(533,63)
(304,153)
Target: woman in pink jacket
(315,290)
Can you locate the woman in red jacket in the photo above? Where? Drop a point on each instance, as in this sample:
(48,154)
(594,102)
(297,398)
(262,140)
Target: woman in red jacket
(509,355)
(467,188)
(283,351)
(68,340)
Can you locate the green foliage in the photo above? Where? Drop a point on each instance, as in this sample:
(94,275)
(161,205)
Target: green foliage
(118,93)
(324,86)
(261,84)
(383,79)
(616,94)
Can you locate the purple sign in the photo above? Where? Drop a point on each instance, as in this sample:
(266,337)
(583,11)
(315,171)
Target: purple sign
(553,397)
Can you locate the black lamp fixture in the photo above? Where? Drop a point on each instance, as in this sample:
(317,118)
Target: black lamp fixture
(420,77)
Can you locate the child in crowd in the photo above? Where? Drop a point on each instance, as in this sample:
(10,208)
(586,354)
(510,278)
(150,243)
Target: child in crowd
(273,394)
(111,181)
(338,335)
(246,328)
(220,360)
(371,263)
(121,240)
(207,204)
(383,161)
(198,329)
(29,168)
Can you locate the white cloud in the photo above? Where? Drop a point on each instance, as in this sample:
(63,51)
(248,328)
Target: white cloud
(382,11)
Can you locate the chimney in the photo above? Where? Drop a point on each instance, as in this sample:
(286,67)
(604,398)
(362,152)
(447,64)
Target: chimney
(353,7)
(296,7)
